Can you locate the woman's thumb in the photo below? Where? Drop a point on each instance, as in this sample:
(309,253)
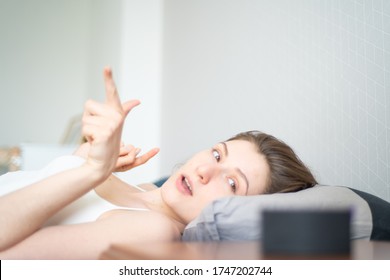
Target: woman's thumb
(129,105)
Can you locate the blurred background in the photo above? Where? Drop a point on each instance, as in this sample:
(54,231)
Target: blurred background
(314,73)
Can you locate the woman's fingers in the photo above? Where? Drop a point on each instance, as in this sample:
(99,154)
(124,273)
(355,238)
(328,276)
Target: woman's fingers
(103,116)
(112,96)
(129,105)
(147,156)
(102,127)
(94,108)
(125,149)
(131,160)
(127,157)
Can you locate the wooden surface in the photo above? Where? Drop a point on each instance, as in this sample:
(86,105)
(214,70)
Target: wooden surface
(251,250)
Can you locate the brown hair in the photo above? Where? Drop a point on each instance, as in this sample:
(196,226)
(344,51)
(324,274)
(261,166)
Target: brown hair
(287,172)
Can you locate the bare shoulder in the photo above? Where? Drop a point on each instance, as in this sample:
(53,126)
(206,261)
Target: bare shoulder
(130,226)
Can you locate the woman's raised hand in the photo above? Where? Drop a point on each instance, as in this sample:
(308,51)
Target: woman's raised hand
(128,157)
(102,127)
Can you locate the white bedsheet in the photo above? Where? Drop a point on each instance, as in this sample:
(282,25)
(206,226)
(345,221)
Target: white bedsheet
(14,180)
(85,209)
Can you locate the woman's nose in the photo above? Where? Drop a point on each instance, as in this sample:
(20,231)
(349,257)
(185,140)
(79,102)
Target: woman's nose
(206,172)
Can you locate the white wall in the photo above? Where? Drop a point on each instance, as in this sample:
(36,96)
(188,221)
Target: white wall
(104,44)
(140,73)
(313,73)
(127,35)
(52,54)
(43,70)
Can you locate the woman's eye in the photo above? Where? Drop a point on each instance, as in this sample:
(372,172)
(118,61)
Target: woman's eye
(216,155)
(232,184)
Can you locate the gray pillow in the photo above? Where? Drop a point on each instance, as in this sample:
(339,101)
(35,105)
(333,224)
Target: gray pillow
(239,217)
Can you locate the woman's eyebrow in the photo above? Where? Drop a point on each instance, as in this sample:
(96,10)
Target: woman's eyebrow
(225,148)
(239,171)
(245,179)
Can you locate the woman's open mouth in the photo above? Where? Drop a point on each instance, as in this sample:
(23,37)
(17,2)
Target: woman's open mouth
(184,185)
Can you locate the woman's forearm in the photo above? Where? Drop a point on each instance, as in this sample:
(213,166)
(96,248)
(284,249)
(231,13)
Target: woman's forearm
(26,210)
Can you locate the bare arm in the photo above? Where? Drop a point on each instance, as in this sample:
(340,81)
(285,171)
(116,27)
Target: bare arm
(90,240)
(24,211)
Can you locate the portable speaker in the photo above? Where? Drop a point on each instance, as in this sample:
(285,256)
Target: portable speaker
(306,232)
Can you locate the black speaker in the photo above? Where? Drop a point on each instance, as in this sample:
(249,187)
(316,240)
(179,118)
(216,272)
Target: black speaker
(306,232)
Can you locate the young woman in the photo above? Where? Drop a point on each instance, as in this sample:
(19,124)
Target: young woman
(250,163)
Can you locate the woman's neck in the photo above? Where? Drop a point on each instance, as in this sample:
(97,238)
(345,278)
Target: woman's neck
(122,194)
(153,201)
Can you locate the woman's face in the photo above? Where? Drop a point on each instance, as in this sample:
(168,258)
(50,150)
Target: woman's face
(228,168)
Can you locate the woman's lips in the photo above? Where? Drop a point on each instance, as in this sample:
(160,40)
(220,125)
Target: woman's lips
(184,185)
